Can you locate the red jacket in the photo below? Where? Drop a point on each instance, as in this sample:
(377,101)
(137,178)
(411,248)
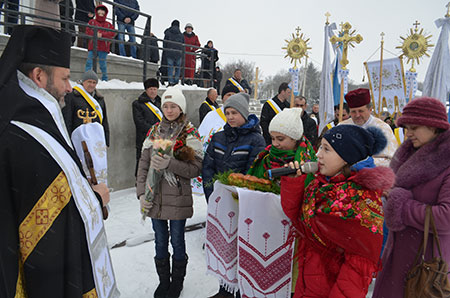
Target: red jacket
(339,226)
(99,21)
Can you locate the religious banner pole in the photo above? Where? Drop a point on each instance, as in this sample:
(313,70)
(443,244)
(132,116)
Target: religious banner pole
(256,82)
(304,77)
(347,38)
(296,48)
(414,47)
(380,87)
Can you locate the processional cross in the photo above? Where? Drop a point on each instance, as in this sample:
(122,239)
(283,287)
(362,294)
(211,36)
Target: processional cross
(448,10)
(347,39)
(256,82)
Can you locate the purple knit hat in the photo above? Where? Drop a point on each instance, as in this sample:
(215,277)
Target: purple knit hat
(426,111)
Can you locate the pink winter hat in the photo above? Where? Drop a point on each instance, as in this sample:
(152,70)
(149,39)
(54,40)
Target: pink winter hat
(426,111)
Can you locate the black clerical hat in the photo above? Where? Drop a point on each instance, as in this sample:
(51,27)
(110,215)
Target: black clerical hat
(34,44)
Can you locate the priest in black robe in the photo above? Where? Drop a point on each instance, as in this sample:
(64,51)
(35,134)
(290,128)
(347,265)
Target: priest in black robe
(53,240)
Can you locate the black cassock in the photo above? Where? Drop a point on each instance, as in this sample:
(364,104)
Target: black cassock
(43,246)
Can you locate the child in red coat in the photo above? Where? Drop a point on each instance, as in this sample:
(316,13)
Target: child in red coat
(338,217)
(102,46)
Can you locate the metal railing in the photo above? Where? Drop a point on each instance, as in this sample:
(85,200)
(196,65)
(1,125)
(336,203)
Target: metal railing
(10,14)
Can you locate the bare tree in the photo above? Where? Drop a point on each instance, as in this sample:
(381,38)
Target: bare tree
(269,87)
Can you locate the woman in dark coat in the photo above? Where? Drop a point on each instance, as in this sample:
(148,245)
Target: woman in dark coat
(422,168)
(212,55)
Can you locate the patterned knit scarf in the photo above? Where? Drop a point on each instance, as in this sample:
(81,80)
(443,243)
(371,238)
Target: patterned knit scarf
(272,158)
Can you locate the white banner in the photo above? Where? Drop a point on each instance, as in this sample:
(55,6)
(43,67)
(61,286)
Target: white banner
(393,85)
(94,136)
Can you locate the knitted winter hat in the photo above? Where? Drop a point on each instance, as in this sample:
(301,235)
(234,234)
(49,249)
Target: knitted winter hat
(189,25)
(176,96)
(358,98)
(239,102)
(288,122)
(354,143)
(152,82)
(426,111)
(89,75)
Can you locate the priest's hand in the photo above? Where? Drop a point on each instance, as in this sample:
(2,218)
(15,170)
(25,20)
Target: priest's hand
(160,162)
(145,205)
(103,191)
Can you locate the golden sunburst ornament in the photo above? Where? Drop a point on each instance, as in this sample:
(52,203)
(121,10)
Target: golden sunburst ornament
(297,47)
(415,45)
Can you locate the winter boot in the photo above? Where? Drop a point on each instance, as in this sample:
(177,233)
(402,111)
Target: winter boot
(178,274)
(163,270)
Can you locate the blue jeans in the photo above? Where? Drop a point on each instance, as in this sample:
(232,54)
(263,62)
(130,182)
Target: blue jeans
(173,65)
(129,28)
(176,238)
(101,60)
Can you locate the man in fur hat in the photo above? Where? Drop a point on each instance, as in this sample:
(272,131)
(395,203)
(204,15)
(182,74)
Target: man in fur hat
(53,239)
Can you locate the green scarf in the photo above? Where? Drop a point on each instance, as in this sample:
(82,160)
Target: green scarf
(271,158)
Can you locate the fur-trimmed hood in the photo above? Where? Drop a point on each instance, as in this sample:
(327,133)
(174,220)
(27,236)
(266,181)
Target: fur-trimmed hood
(416,166)
(379,178)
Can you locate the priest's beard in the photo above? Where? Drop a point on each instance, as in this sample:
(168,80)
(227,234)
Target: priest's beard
(51,88)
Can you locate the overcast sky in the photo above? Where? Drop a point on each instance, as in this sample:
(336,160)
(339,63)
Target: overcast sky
(256,30)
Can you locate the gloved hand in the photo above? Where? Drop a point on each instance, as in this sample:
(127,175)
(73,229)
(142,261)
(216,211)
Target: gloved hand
(145,206)
(160,162)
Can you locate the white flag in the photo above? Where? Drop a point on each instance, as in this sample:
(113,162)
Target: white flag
(326,100)
(437,79)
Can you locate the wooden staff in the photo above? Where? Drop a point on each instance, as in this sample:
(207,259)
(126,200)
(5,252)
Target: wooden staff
(90,166)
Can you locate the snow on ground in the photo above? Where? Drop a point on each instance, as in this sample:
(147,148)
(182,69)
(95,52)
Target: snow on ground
(134,266)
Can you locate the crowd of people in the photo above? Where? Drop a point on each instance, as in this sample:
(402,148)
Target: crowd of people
(369,187)
(87,14)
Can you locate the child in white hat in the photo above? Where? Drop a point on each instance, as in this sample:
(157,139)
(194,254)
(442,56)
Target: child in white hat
(288,144)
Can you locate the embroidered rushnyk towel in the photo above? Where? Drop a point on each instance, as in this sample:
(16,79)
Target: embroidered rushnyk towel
(221,236)
(264,253)
(246,242)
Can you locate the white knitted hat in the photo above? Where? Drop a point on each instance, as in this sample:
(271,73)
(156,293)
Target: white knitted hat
(176,96)
(288,122)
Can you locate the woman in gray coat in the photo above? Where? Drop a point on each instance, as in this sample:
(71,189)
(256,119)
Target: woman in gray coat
(171,156)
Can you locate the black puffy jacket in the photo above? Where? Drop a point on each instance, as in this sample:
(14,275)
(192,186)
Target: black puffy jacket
(234,148)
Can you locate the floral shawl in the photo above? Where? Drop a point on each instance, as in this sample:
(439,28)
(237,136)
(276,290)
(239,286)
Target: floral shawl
(339,213)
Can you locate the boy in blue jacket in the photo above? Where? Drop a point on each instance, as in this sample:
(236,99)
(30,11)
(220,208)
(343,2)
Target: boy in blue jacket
(236,146)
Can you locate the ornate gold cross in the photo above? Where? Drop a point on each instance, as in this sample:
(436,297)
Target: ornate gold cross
(86,116)
(416,24)
(327,14)
(346,39)
(256,82)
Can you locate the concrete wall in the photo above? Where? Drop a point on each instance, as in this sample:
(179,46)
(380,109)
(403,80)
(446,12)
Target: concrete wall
(122,151)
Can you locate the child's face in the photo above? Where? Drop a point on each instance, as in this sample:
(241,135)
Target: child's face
(282,141)
(234,118)
(330,163)
(171,110)
(101,13)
